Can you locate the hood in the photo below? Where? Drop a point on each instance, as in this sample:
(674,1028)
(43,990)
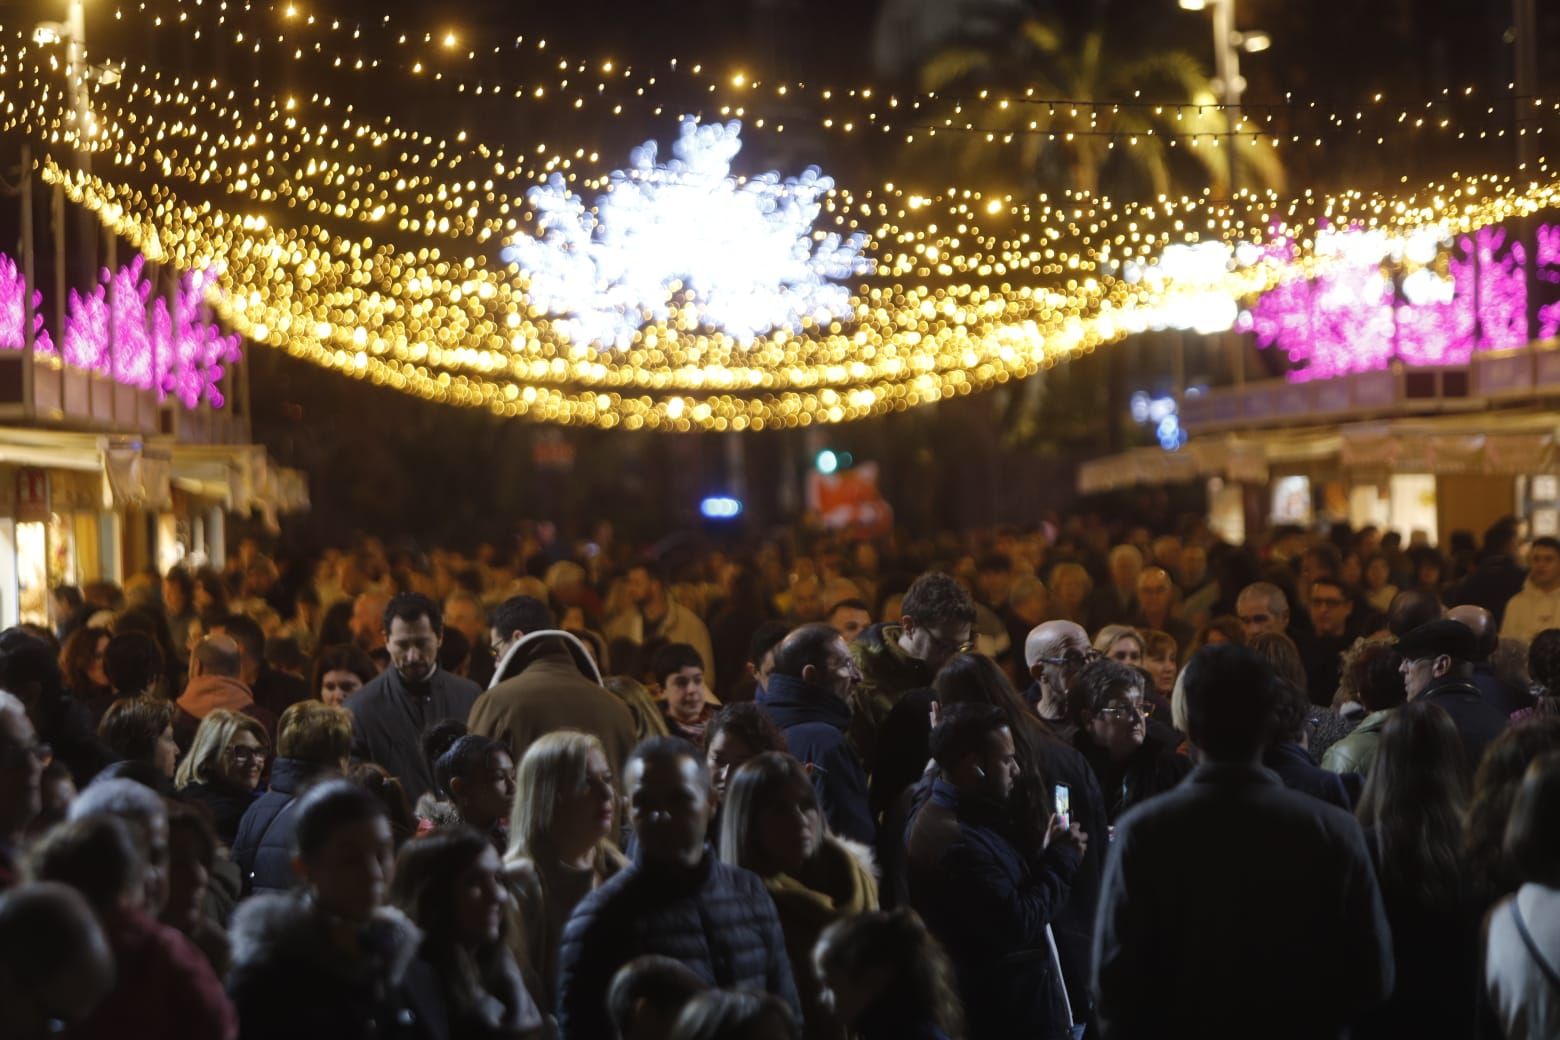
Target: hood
(290,775)
(791,702)
(291,928)
(436,812)
(207,693)
(534,644)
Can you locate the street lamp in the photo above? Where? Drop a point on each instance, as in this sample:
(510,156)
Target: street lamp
(1228,42)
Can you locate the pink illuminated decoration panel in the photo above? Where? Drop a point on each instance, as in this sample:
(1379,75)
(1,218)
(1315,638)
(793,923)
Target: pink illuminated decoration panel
(1360,315)
(156,344)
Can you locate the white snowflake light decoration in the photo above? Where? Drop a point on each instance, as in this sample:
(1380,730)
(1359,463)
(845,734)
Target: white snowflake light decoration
(687,244)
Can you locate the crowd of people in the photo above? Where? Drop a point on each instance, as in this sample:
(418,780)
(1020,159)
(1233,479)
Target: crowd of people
(1053,782)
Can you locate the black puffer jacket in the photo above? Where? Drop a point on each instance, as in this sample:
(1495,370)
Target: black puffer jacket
(263,847)
(290,981)
(716,919)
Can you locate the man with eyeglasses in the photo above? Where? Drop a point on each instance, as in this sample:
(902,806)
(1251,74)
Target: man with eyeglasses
(22,761)
(937,617)
(1056,653)
(1132,765)
(1321,648)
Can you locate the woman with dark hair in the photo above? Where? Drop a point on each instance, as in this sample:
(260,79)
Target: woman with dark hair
(81,659)
(773,826)
(1543,661)
(1131,764)
(887,978)
(1495,787)
(1412,811)
(464,979)
(473,784)
(1371,671)
(210,596)
(378,781)
(336,624)
(1523,944)
(140,729)
(339,672)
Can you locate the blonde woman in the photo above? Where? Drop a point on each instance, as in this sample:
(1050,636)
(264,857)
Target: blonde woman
(1069,586)
(223,768)
(1120,643)
(560,847)
(648,718)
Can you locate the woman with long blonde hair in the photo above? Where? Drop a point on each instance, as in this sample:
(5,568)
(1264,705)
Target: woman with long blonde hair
(560,847)
(223,768)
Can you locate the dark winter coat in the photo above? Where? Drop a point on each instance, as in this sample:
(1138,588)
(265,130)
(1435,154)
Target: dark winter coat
(1478,721)
(716,919)
(814,723)
(547,682)
(263,848)
(277,691)
(1235,907)
(1153,768)
(226,803)
(1295,768)
(389,718)
(291,981)
(165,987)
(990,906)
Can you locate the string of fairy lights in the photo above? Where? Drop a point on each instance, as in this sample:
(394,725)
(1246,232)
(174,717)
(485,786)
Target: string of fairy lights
(1044,275)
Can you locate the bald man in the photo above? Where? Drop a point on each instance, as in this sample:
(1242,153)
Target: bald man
(1501,694)
(1055,653)
(215,683)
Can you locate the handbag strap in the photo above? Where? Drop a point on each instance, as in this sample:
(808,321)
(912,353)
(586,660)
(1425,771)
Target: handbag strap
(1532,947)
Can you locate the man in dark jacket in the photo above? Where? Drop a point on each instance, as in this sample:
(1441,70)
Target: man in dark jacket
(391,713)
(1438,667)
(1233,906)
(937,621)
(676,899)
(1497,578)
(546,681)
(313,741)
(808,699)
(1288,756)
(989,904)
(1508,698)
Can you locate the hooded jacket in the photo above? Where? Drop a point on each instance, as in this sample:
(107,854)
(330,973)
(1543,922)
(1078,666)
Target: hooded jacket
(814,723)
(715,918)
(547,681)
(263,847)
(290,981)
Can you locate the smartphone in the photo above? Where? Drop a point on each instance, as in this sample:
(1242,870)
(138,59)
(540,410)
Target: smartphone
(1062,796)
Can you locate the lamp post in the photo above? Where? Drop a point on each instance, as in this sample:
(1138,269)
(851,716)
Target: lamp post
(1228,43)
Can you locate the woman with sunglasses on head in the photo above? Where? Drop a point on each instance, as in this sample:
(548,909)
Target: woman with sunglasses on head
(1131,763)
(223,768)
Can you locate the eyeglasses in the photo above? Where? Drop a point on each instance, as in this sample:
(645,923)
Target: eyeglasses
(1073,659)
(1327,601)
(16,755)
(1131,710)
(246,756)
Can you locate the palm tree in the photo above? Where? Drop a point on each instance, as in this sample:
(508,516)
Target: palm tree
(1132,122)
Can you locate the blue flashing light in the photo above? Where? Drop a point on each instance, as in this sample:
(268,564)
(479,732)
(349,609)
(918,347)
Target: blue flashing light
(720,507)
(827,462)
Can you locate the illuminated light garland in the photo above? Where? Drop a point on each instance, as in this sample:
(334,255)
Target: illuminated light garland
(686,236)
(13,310)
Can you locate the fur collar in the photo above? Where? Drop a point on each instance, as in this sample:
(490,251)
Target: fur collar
(518,656)
(290,927)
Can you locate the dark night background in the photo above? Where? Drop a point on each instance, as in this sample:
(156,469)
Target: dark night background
(385,463)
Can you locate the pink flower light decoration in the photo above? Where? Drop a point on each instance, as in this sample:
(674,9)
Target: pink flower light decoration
(13,310)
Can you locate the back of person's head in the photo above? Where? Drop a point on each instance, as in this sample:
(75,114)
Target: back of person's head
(765,638)
(524,614)
(133,663)
(440,737)
(812,644)
(757,788)
(1410,609)
(920,976)
(1495,784)
(98,856)
(971,678)
(1101,683)
(131,726)
(326,809)
(454,651)
(284,654)
(672,658)
(1414,801)
(410,608)
(936,598)
(748,723)
(219,655)
(961,731)
(554,766)
(246,632)
(1291,709)
(55,961)
(649,721)
(648,993)
(315,732)
(29,667)
(1544,661)
(117,796)
(1500,538)
(1229,702)
(1281,654)
(461,760)
(736,1015)
(1532,840)
(426,873)
(1374,673)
